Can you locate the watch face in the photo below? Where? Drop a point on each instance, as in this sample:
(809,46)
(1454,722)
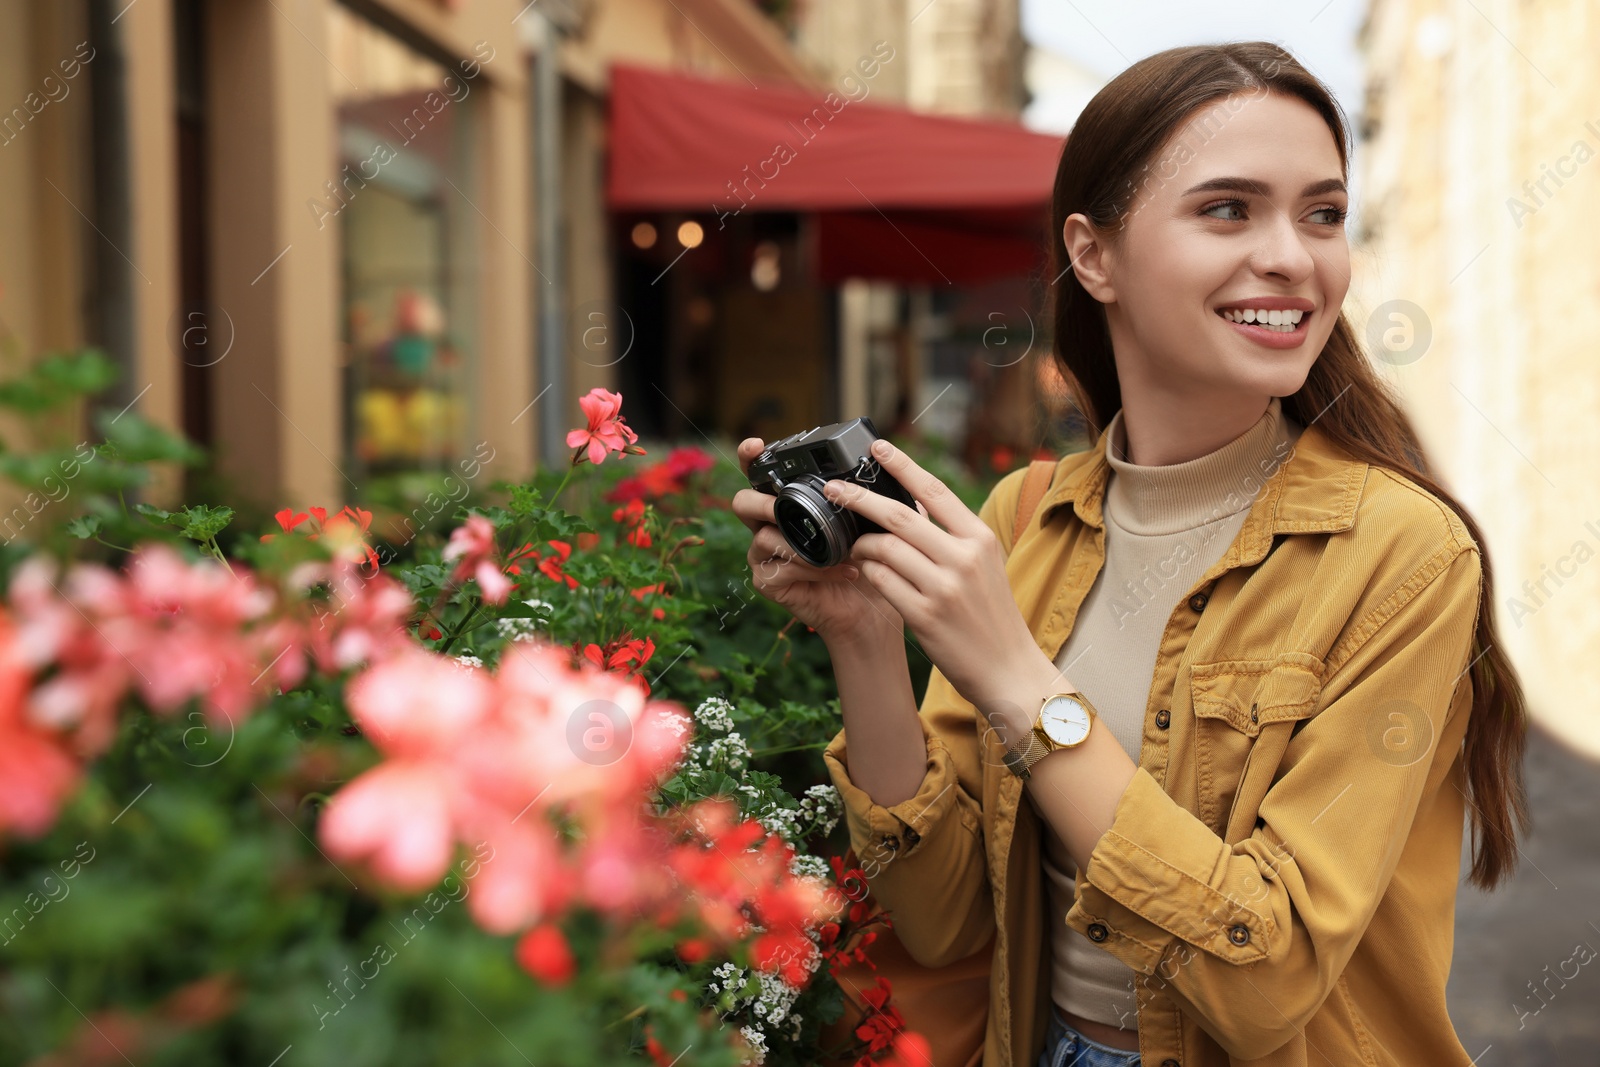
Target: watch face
(1065,720)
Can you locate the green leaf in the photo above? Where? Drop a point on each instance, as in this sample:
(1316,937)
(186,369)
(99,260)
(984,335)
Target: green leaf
(83,527)
(202,523)
(84,372)
(137,440)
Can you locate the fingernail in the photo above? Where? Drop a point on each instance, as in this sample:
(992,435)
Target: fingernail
(880,447)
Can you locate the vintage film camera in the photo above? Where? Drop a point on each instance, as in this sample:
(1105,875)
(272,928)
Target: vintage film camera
(796,468)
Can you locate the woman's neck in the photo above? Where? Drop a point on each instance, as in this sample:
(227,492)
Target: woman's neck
(1164,429)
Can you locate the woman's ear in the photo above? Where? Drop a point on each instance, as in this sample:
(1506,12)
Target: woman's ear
(1086,251)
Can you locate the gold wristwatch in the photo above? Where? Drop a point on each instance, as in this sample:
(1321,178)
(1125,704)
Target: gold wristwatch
(1063,722)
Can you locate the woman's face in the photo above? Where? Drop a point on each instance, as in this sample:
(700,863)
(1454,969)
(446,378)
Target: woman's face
(1243,207)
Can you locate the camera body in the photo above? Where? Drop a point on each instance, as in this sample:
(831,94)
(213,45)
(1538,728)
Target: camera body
(796,468)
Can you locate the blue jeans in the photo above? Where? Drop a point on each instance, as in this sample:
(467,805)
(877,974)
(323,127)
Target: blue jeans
(1066,1047)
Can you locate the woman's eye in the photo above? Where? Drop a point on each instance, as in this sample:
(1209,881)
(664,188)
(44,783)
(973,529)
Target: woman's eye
(1225,205)
(1335,215)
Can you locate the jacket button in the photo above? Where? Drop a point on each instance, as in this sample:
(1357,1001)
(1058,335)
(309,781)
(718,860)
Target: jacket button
(1169,1063)
(1163,719)
(891,842)
(911,836)
(1239,935)
(1097,932)
(1198,602)
(1254,717)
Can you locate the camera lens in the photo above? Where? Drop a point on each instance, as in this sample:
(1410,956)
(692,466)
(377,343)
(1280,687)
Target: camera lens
(817,530)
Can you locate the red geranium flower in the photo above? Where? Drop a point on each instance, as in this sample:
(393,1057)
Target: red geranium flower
(550,566)
(543,952)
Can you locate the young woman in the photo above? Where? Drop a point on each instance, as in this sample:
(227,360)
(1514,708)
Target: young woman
(1196,751)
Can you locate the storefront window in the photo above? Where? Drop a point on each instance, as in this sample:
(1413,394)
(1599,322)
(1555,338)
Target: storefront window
(405,221)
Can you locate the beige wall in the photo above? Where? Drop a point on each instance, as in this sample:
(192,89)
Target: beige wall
(716,38)
(273,272)
(953,57)
(1508,395)
(152,164)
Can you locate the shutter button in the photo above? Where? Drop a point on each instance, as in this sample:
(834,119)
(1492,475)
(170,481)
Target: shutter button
(1198,602)
(1239,935)
(1163,719)
(1097,932)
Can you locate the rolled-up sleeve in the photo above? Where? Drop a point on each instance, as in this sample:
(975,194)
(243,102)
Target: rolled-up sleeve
(925,857)
(1249,938)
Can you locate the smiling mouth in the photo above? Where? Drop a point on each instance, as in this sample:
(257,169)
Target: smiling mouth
(1279,322)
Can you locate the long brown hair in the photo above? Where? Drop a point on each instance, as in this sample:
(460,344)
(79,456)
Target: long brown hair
(1108,153)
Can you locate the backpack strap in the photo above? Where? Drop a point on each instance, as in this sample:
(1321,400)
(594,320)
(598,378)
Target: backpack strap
(1034,484)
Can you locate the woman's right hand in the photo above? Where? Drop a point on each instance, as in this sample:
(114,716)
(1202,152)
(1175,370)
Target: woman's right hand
(835,601)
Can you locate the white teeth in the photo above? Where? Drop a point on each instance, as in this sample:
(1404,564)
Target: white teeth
(1276,321)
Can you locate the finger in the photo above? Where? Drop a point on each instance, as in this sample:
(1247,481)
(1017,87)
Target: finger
(773,563)
(748,450)
(896,590)
(754,508)
(899,556)
(941,504)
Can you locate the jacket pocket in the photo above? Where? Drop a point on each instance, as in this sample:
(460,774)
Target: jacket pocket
(1245,712)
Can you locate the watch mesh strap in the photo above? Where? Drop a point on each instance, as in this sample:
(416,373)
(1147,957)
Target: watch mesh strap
(1021,757)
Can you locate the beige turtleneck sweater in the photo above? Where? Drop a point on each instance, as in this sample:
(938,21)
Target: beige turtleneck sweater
(1164,526)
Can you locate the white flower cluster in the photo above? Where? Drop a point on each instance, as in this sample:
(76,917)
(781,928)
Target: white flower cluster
(771,1000)
(823,806)
(466,659)
(757,1041)
(730,754)
(678,724)
(807,866)
(516,629)
(715,714)
(785,822)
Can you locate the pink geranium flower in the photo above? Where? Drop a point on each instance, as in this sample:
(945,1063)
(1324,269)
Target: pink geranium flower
(396,818)
(472,543)
(606,432)
(37,772)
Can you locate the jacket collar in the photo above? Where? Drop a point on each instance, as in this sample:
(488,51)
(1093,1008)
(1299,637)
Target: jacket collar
(1316,489)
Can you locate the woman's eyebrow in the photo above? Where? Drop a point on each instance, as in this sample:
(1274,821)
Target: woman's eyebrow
(1260,188)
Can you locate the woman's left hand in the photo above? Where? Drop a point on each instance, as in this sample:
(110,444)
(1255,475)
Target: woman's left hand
(948,584)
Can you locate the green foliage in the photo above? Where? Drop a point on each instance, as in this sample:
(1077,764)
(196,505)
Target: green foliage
(192,846)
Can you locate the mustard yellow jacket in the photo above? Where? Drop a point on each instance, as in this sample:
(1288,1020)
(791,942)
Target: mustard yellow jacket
(1281,872)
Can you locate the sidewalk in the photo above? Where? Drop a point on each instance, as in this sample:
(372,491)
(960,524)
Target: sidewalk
(1541,928)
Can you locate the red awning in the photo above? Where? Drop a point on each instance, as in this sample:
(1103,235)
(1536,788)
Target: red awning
(899,196)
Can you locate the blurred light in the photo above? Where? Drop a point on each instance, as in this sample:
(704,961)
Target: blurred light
(644,235)
(700,312)
(690,234)
(766,270)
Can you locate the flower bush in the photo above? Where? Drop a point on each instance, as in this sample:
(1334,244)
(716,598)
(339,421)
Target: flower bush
(525,785)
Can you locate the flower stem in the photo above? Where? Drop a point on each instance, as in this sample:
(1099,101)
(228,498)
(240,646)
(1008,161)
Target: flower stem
(634,1014)
(551,503)
(788,748)
(460,626)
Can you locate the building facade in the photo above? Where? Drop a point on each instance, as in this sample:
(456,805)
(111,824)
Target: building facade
(1479,288)
(330,239)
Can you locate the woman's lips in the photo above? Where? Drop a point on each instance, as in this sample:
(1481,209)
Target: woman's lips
(1272,338)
